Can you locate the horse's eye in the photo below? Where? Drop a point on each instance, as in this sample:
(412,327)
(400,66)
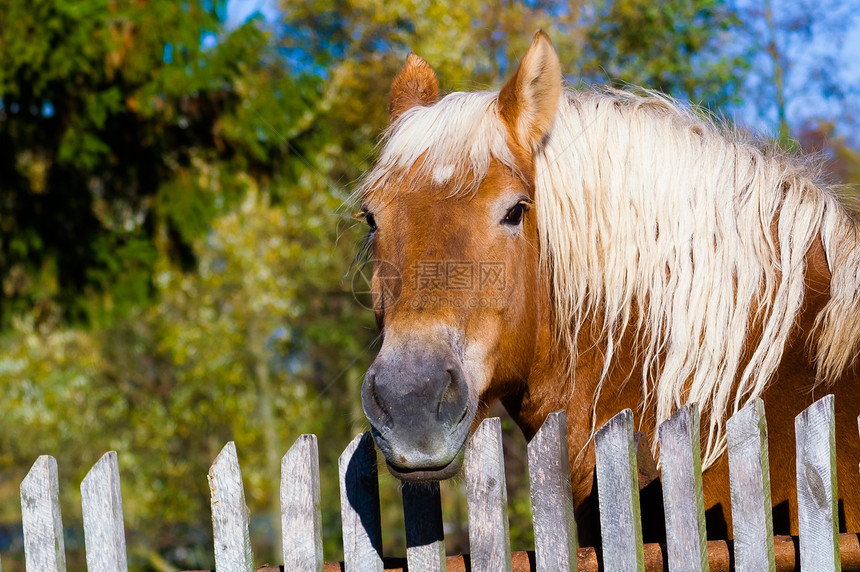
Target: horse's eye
(368,218)
(515,215)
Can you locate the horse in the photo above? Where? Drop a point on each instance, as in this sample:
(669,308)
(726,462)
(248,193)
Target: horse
(593,250)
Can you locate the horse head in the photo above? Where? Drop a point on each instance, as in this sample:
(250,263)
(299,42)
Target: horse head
(455,282)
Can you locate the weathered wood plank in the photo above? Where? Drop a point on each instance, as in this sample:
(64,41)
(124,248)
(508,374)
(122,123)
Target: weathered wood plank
(552,502)
(104,532)
(749,479)
(359,506)
(618,494)
(683,501)
(422,515)
(301,520)
(44,549)
(487,498)
(229,513)
(815,433)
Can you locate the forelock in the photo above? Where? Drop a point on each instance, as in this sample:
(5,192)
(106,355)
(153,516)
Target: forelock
(451,144)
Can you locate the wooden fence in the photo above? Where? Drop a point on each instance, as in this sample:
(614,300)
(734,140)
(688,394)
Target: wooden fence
(821,547)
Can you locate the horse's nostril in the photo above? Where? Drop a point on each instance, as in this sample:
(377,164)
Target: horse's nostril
(443,396)
(371,379)
(453,398)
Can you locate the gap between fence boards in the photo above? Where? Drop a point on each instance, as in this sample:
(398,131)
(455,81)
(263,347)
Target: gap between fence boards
(786,550)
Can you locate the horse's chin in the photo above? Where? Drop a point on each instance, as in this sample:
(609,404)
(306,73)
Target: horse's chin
(424,474)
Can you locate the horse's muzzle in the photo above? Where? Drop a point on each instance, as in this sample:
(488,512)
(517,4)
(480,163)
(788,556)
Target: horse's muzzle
(429,473)
(420,413)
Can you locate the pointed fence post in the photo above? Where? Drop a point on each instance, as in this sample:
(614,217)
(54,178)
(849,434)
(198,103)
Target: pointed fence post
(229,513)
(749,479)
(618,494)
(552,501)
(301,521)
(487,498)
(101,501)
(683,501)
(422,515)
(44,549)
(815,433)
(359,506)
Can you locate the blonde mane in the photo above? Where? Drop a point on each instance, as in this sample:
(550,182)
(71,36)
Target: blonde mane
(658,220)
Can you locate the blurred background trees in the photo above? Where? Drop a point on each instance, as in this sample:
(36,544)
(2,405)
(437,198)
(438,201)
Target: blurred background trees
(174,246)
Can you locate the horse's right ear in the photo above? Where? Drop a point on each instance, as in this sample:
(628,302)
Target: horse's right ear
(415,85)
(529,100)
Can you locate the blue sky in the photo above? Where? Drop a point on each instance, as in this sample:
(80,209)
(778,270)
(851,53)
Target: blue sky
(240,10)
(805,53)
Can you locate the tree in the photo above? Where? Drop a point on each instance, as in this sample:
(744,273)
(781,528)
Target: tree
(172,275)
(670,46)
(115,118)
(258,346)
(798,77)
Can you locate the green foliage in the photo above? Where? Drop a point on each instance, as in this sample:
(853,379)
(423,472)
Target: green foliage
(171,271)
(672,46)
(233,351)
(116,119)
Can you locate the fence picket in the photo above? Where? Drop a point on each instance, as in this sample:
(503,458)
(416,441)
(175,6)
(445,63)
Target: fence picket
(487,497)
(749,479)
(815,433)
(422,514)
(44,549)
(301,521)
(618,494)
(552,502)
(359,506)
(619,453)
(229,513)
(683,501)
(104,532)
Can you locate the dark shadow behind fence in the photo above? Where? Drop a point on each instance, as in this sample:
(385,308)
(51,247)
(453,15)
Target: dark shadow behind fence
(820,547)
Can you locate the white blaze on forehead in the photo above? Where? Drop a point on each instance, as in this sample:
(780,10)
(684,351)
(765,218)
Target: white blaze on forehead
(442,173)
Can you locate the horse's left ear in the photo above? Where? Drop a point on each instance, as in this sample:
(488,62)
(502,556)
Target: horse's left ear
(415,85)
(529,100)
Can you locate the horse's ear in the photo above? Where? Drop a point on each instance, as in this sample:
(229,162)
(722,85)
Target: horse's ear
(529,100)
(415,85)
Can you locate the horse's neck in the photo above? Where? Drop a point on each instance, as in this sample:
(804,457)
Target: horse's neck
(554,385)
